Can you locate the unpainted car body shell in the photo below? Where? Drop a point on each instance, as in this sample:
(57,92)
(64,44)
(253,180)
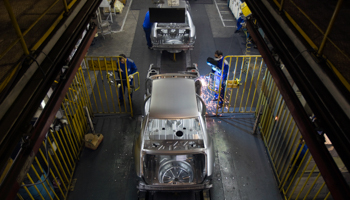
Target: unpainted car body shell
(174,37)
(174,150)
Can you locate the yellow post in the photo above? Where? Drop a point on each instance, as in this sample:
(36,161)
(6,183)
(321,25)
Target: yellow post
(335,13)
(121,82)
(281,6)
(98,88)
(312,171)
(265,92)
(65,6)
(26,189)
(267,99)
(104,87)
(73,119)
(240,78)
(286,164)
(280,120)
(58,162)
(67,131)
(52,161)
(312,186)
(60,153)
(86,93)
(76,114)
(284,136)
(91,86)
(319,190)
(16,26)
(138,81)
(287,143)
(271,104)
(52,173)
(295,174)
(82,102)
(39,179)
(329,193)
(115,83)
(256,88)
(19,196)
(245,84)
(79,107)
(64,145)
(36,188)
(129,90)
(250,86)
(110,88)
(47,181)
(229,101)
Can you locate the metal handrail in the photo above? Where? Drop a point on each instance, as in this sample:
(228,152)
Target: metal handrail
(138,81)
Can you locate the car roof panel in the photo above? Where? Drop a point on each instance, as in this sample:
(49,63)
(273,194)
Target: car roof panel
(173,98)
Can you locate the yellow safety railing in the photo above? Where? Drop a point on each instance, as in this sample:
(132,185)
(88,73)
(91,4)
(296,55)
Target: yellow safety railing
(136,84)
(20,34)
(51,173)
(107,90)
(296,172)
(319,48)
(242,84)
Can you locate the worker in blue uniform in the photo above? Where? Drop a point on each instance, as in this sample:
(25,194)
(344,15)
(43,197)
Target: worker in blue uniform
(240,20)
(220,69)
(131,68)
(147,27)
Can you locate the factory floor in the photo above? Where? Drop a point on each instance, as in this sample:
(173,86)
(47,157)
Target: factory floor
(242,168)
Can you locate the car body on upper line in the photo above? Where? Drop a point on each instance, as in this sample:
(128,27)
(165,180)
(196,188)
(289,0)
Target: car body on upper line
(171,36)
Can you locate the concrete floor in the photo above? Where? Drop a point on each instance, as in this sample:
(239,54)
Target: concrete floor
(242,168)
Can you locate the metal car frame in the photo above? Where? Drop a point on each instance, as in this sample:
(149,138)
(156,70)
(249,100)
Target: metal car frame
(165,149)
(174,37)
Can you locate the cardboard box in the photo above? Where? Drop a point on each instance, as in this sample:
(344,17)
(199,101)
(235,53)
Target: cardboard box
(93,141)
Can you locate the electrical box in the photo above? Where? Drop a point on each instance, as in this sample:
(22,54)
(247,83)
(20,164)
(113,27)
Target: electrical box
(245,10)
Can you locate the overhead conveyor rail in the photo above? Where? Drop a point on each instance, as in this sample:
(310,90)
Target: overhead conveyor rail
(26,26)
(322,32)
(19,107)
(329,108)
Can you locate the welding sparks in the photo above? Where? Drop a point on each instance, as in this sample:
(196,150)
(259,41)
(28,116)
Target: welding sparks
(208,95)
